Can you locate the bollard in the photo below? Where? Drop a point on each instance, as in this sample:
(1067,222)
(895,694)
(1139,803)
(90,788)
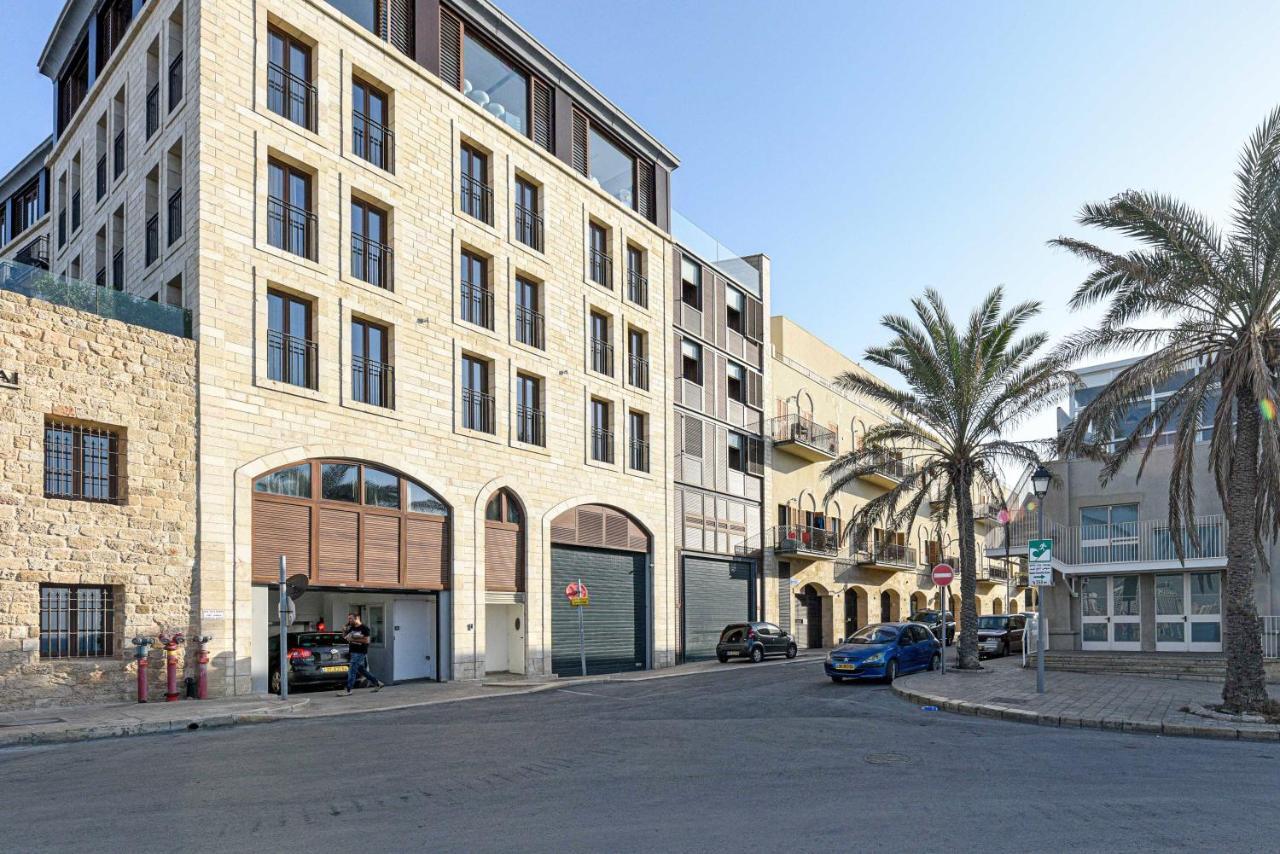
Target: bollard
(171,644)
(202,668)
(140,645)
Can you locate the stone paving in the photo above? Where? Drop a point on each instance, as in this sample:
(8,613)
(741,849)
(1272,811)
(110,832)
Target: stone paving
(1006,690)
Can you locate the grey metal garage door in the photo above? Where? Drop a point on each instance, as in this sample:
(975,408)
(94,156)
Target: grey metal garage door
(616,621)
(715,593)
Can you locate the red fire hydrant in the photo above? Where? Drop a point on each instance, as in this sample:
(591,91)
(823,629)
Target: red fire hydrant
(171,644)
(140,645)
(202,668)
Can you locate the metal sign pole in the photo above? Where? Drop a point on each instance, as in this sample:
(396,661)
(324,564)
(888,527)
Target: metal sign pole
(582,635)
(284,633)
(1040,620)
(942,606)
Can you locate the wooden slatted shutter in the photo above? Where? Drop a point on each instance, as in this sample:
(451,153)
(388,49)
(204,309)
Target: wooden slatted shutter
(280,529)
(502,558)
(580,142)
(450,48)
(644,189)
(380,549)
(755,455)
(755,320)
(339,536)
(543,128)
(426,553)
(755,389)
(400,25)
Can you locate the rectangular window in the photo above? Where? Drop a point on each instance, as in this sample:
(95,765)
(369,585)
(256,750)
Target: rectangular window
(291,350)
(26,206)
(601,432)
(637,359)
(529,324)
(737,452)
(733,301)
(598,248)
(528,220)
(291,224)
(290,91)
(737,376)
(639,447)
(691,361)
(371,137)
(691,282)
(637,282)
(530,422)
(83,463)
(477,296)
(611,167)
(113,20)
(477,195)
(370,245)
(77,621)
(73,84)
(601,347)
(372,375)
(477,400)
(1109,533)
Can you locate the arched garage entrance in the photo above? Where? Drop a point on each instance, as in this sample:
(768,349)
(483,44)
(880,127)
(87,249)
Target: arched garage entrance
(609,551)
(809,609)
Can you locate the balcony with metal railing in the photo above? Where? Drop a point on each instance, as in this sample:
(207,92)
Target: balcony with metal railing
(803,438)
(476,199)
(637,288)
(602,357)
(291,96)
(35,253)
(639,455)
(888,470)
(175,81)
(373,382)
(477,411)
(804,541)
(638,371)
(531,426)
(372,141)
(477,305)
(601,268)
(153,239)
(174,223)
(75,211)
(529,228)
(1146,544)
(117,270)
(153,110)
(893,557)
(291,228)
(100,181)
(371,261)
(292,359)
(529,327)
(601,445)
(117,155)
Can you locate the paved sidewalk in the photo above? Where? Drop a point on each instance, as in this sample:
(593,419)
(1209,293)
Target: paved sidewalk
(80,723)
(1004,689)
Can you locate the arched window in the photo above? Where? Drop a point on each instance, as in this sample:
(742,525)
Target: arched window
(504,549)
(997,607)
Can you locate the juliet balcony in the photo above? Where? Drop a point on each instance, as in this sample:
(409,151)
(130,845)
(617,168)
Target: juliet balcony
(801,437)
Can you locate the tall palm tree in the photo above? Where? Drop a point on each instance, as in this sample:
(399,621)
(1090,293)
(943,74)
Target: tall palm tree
(967,389)
(1209,300)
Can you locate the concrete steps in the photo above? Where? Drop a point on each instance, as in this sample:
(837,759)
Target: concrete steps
(1207,667)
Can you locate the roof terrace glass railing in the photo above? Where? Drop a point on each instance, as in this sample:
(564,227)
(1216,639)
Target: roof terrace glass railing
(714,252)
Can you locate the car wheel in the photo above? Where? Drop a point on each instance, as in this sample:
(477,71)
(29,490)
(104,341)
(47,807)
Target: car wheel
(891,671)
(791,651)
(837,679)
(273,682)
(935,661)
(1004,649)
(722,657)
(757,654)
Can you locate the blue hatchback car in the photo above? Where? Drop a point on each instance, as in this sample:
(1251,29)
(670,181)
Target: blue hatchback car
(883,651)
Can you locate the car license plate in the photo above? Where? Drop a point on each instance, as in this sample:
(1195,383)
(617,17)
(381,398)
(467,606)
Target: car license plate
(334,668)
(846,667)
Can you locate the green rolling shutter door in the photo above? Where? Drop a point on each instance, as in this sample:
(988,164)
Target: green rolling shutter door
(716,593)
(616,622)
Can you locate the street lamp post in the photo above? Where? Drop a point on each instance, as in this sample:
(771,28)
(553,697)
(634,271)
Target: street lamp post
(1040,484)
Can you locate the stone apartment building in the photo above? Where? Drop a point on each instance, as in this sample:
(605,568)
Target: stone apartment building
(24,210)
(414,245)
(826,585)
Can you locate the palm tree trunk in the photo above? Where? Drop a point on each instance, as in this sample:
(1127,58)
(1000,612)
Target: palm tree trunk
(968,575)
(1245,688)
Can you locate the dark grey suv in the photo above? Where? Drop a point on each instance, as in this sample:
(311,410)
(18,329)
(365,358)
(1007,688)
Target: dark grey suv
(754,641)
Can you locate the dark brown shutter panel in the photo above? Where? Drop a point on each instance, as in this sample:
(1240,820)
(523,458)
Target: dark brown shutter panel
(450,48)
(543,132)
(644,189)
(755,389)
(400,25)
(580,142)
(280,529)
(426,553)
(755,456)
(502,558)
(339,532)
(380,549)
(755,320)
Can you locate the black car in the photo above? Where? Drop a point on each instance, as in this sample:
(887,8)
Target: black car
(754,641)
(1000,634)
(933,619)
(315,658)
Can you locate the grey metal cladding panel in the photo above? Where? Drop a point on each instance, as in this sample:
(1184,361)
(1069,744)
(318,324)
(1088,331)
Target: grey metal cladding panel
(716,593)
(616,621)
(784,596)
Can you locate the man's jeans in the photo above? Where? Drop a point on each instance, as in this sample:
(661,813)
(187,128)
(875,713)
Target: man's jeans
(358,668)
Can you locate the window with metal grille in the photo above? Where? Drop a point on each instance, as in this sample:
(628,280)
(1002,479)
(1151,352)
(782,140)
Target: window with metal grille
(83,462)
(290,90)
(371,136)
(291,222)
(291,347)
(77,621)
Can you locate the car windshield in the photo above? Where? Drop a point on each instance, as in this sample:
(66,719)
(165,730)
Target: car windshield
(993,622)
(874,634)
(315,639)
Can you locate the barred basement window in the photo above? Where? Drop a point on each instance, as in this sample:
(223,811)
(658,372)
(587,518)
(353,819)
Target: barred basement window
(76,621)
(83,463)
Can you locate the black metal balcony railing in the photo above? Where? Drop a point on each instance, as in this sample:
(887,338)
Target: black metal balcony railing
(117,155)
(797,428)
(477,410)
(101,278)
(531,426)
(62,229)
(893,467)
(602,357)
(175,81)
(35,253)
(601,445)
(175,215)
(529,327)
(638,371)
(291,359)
(476,199)
(75,211)
(637,288)
(528,227)
(153,238)
(101,179)
(805,539)
(371,261)
(889,554)
(477,305)
(601,268)
(372,141)
(373,382)
(117,270)
(153,110)
(639,455)
(291,228)
(291,96)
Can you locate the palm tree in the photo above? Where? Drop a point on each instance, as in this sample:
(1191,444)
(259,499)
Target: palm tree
(967,390)
(1208,300)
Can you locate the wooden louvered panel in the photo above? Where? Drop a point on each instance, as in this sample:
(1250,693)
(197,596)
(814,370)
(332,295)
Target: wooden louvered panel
(450,48)
(502,560)
(693,437)
(280,529)
(400,25)
(755,319)
(580,142)
(380,549)
(564,534)
(644,189)
(720,388)
(715,456)
(543,127)
(590,524)
(755,389)
(339,538)
(426,553)
(615,532)
(590,527)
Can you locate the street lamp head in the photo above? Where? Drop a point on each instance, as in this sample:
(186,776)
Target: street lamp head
(1040,481)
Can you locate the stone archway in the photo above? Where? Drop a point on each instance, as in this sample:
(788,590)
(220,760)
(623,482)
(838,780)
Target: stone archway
(997,607)
(813,608)
(919,602)
(890,606)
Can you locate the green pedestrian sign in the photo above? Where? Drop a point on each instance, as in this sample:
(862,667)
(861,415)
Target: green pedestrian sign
(1040,563)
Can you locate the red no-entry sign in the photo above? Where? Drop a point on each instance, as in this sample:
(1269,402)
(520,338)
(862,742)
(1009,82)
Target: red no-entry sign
(943,574)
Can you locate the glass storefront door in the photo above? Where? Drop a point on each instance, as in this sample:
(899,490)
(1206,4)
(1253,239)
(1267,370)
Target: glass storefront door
(1189,612)
(1110,612)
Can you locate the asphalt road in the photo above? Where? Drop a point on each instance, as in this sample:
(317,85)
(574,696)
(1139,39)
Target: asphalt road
(766,759)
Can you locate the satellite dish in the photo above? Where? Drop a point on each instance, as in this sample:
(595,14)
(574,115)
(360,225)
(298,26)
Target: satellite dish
(295,585)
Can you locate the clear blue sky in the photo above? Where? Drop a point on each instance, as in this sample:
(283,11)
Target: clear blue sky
(876,149)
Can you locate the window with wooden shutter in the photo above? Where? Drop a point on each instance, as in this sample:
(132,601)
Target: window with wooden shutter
(580,142)
(755,455)
(400,25)
(543,130)
(450,48)
(755,320)
(644,189)
(693,437)
(755,389)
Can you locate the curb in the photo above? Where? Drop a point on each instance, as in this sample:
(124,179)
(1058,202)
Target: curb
(1116,724)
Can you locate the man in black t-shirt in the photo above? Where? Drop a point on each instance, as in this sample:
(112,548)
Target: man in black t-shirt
(356,634)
